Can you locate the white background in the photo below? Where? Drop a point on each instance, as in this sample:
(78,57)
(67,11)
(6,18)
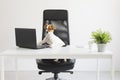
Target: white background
(85,16)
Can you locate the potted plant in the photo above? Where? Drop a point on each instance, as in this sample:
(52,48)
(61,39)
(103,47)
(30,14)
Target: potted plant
(101,38)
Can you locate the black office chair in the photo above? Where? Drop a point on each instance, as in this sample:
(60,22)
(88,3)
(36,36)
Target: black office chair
(60,19)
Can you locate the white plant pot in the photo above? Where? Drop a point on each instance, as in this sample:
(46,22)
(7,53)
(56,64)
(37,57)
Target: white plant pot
(101,47)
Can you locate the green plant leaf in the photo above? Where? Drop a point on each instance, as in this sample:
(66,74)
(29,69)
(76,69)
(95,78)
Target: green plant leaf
(101,37)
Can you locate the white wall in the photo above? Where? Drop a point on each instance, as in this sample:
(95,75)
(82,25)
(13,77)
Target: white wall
(85,16)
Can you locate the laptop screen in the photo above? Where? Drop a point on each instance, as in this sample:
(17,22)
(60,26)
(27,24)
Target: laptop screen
(25,37)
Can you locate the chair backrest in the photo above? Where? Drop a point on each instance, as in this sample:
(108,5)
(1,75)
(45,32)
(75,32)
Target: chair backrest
(60,19)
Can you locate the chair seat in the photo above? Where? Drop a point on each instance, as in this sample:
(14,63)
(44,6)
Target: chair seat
(53,66)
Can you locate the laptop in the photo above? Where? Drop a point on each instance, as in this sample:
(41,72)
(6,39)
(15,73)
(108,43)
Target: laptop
(26,38)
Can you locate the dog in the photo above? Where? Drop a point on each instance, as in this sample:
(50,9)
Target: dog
(52,40)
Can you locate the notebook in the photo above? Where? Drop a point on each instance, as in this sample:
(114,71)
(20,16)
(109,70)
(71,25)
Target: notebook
(26,38)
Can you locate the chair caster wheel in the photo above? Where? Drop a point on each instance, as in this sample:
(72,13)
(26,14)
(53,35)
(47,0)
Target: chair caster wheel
(71,72)
(39,72)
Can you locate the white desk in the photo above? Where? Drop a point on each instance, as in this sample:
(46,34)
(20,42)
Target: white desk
(64,52)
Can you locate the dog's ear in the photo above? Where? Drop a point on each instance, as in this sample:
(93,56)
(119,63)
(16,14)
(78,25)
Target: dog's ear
(53,26)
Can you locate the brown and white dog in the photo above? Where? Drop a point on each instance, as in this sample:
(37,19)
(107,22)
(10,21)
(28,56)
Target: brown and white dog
(52,39)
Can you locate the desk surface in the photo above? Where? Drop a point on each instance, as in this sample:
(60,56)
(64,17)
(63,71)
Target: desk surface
(62,52)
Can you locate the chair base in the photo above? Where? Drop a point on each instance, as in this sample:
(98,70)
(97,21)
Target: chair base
(54,79)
